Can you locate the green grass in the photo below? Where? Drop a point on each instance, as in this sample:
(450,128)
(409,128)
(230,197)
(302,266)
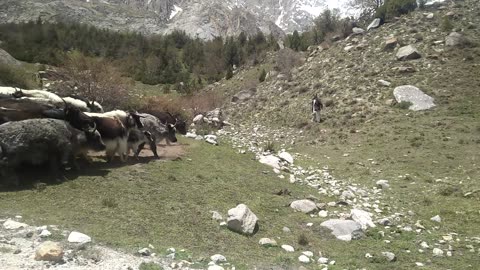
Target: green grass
(167,204)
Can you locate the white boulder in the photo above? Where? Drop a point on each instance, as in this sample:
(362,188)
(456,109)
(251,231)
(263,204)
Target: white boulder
(242,220)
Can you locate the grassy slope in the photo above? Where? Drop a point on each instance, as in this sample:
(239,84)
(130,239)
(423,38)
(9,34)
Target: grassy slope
(167,204)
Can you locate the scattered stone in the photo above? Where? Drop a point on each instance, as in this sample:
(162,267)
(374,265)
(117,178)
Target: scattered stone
(292,179)
(288,248)
(267,242)
(384,83)
(358,31)
(244,95)
(383,184)
(437,252)
(384,222)
(144,252)
(76,237)
(271,161)
(304,206)
(49,251)
(198,119)
(323,213)
(390,44)
(436,218)
(430,16)
(322,260)
(419,264)
(390,256)
(286,156)
(286,230)
(303,259)
(374,24)
(348,48)
(424,245)
(363,218)
(408,93)
(242,220)
(211,139)
(344,230)
(13,225)
(408,53)
(308,253)
(45,233)
(216,216)
(218,258)
(456,39)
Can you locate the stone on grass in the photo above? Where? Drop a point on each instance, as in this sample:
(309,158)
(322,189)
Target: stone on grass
(308,253)
(390,44)
(45,233)
(383,184)
(303,259)
(408,93)
(244,95)
(374,24)
(76,237)
(323,213)
(198,119)
(267,242)
(322,260)
(408,53)
(436,218)
(305,206)
(49,251)
(288,248)
(218,258)
(363,218)
(357,31)
(242,220)
(286,156)
(271,161)
(456,39)
(389,256)
(144,252)
(437,252)
(344,230)
(13,225)
(384,83)
(216,216)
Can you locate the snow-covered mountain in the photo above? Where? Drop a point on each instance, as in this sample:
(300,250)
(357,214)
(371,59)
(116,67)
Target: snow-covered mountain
(203,18)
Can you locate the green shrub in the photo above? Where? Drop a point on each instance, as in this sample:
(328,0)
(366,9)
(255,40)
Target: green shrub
(229,74)
(404,105)
(446,24)
(16,77)
(392,8)
(269,146)
(263,75)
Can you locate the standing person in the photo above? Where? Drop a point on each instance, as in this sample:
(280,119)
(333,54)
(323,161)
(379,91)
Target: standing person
(317,106)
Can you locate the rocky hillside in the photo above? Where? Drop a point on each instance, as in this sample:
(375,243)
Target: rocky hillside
(356,77)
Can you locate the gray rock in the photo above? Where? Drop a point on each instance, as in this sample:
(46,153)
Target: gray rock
(408,93)
(384,83)
(288,248)
(218,258)
(389,256)
(344,230)
(437,252)
(267,242)
(286,156)
(271,161)
(216,216)
(363,218)
(374,24)
(7,59)
(215,267)
(244,95)
(383,184)
(198,118)
(76,237)
(144,252)
(303,259)
(358,31)
(436,218)
(456,39)
(242,220)
(13,225)
(45,233)
(408,53)
(305,206)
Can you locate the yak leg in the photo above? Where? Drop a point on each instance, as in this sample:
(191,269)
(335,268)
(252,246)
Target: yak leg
(139,149)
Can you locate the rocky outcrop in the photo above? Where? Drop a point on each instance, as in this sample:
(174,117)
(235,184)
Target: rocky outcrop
(408,93)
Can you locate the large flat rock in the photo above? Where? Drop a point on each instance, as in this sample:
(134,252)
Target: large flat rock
(408,93)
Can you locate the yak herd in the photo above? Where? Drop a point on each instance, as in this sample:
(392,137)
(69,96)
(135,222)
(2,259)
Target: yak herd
(38,127)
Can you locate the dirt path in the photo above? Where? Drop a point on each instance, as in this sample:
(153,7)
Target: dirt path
(165,152)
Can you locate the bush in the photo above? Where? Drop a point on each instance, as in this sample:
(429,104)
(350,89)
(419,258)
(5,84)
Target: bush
(286,60)
(393,8)
(446,24)
(263,75)
(229,74)
(269,147)
(16,77)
